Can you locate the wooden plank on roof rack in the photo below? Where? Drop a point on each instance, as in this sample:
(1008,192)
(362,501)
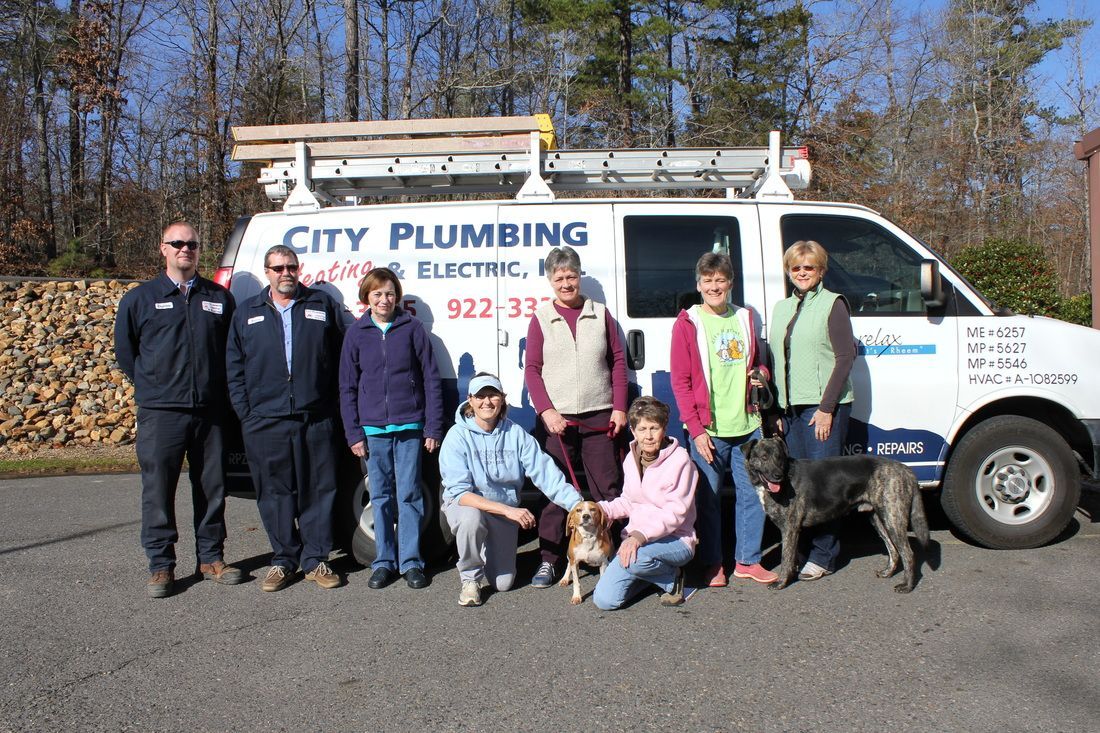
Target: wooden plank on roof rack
(363,148)
(377,128)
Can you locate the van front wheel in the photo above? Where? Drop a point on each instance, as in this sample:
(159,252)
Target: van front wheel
(1012,483)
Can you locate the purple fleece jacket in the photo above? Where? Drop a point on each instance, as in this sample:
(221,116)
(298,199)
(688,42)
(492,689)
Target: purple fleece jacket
(389,378)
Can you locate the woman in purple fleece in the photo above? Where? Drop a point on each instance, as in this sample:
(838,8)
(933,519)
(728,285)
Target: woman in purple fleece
(392,404)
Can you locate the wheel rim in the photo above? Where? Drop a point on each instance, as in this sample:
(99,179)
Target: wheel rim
(1015,485)
(361,506)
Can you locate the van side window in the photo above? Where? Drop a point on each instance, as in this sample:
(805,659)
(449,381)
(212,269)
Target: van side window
(872,268)
(661,252)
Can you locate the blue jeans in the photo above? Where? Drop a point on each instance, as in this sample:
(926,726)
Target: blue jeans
(748,513)
(803,444)
(393,467)
(656,563)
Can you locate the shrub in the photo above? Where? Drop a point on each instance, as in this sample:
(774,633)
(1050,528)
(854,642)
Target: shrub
(73,262)
(1077,309)
(1012,273)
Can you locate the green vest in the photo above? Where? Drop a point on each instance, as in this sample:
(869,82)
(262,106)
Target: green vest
(812,357)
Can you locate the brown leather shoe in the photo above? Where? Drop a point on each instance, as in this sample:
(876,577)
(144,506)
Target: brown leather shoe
(277,578)
(323,576)
(160,583)
(219,572)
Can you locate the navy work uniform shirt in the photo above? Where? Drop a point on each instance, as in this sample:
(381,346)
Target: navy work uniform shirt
(171,347)
(260,384)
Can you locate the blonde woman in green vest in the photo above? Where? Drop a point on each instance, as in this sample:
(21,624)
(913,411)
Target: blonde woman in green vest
(813,350)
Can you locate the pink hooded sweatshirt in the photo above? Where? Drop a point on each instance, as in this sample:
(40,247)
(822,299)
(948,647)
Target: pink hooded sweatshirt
(660,503)
(691,372)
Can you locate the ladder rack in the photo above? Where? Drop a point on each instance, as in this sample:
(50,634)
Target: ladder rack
(311,166)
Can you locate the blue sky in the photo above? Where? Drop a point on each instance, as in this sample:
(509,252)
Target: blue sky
(1058,66)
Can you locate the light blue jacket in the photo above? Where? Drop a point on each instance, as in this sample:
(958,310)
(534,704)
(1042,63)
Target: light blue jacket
(494,464)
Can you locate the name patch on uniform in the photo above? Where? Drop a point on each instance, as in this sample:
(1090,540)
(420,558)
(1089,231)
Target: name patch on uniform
(212,307)
(315,315)
(164,306)
(255,319)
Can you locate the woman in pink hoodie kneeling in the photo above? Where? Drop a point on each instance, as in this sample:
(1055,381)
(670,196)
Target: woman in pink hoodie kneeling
(658,500)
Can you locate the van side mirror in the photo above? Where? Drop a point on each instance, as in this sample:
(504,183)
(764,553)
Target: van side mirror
(931,285)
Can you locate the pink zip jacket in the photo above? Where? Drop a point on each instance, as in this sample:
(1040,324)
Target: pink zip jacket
(662,502)
(691,372)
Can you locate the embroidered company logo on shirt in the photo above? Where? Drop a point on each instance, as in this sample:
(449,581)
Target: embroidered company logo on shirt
(164,306)
(255,319)
(315,315)
(212,307)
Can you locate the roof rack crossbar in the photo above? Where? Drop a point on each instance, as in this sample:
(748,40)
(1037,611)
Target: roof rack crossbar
(306,174)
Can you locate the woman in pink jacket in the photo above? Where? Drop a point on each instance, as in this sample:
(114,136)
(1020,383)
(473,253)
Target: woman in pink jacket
(658,500)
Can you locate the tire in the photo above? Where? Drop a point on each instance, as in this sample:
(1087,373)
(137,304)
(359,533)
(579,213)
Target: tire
(1012,483)
(435,534)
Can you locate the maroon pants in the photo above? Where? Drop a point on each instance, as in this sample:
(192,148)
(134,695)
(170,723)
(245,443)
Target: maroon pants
(588,445)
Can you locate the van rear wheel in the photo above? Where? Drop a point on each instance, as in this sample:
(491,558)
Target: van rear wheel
(1012,483)
(435,535)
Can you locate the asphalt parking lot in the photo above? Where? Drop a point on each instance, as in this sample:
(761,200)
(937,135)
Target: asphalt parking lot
(988,641)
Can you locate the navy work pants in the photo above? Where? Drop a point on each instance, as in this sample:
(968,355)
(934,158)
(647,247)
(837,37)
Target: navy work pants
(293,464)
(164,437)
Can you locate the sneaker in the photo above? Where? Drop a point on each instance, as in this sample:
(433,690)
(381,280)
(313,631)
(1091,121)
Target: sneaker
(545,576)
(755,572)
(813,571)
(160,583)
(277,578)
(675,597)
(470,594)
(219,572)
(323,576)
(715,577)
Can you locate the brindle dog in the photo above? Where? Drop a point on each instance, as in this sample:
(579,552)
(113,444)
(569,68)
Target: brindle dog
(799,493)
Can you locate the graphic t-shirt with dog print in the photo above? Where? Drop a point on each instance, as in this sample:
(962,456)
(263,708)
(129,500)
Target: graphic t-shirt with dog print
(727,354)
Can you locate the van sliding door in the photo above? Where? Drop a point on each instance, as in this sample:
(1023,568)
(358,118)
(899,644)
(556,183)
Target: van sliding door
(658,246)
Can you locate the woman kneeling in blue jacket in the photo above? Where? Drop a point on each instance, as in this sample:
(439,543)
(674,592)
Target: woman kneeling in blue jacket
(483,462)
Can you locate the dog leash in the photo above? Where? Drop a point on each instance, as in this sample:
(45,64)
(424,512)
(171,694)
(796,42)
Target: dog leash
(565,452)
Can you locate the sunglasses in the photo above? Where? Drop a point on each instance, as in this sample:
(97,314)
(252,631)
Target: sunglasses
(804,268)
(278,269)
(181,243)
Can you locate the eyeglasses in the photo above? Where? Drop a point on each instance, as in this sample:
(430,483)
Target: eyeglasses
(804,268)
(181,243)
(489,396)
(278,269)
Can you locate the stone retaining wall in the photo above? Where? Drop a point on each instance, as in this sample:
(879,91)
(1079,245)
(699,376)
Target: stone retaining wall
(59,383)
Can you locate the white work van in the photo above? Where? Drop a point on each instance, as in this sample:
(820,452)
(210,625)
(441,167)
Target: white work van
(1000,411)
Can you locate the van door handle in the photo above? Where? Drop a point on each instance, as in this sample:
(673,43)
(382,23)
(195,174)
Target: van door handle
(635,348)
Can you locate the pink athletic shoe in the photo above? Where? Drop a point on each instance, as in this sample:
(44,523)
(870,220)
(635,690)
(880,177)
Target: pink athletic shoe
(755,572)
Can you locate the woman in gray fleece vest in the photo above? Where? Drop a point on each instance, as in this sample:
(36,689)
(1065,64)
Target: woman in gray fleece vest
(576,377)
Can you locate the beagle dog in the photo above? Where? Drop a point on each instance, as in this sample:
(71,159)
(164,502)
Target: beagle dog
(589,542)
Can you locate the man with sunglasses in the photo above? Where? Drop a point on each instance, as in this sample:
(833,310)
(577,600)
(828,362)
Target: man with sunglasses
(283,361)
(170,338)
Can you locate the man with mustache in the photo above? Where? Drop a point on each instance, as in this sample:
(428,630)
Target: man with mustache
(282,362)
